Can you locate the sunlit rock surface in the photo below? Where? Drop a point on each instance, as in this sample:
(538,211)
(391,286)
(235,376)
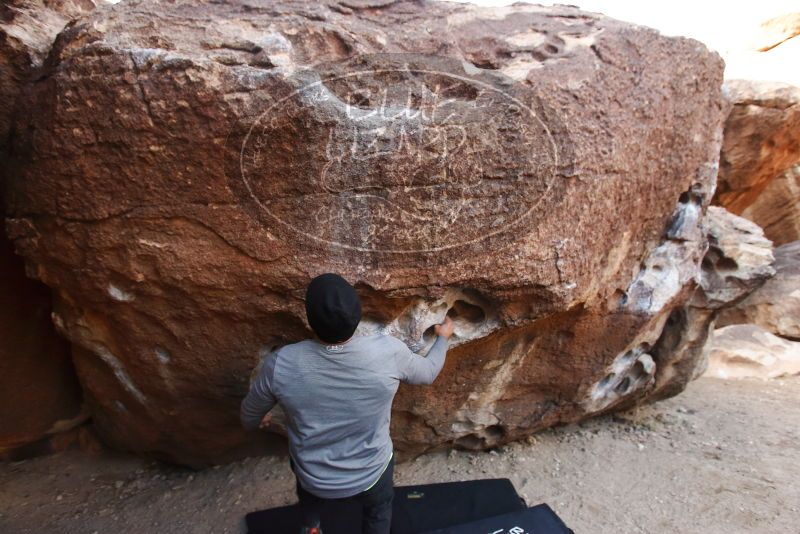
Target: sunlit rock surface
(775,306)
(749,351)
(542,175)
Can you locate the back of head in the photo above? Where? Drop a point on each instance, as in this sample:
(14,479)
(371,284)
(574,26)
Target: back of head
(332,307)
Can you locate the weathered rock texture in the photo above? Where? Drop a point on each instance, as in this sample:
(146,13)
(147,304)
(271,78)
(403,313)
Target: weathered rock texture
(39,391)
(27,31)
(749,351)
(777,208)
(775,306)
(541,174)
(737,262)
(762,140)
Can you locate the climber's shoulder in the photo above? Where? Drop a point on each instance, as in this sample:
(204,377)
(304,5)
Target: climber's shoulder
(288,351)
(389,342)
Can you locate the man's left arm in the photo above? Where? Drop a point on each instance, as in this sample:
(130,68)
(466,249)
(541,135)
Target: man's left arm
(260,399)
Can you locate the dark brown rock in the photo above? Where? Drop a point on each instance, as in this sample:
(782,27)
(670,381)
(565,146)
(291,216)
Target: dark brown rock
(39,391)
(543,174)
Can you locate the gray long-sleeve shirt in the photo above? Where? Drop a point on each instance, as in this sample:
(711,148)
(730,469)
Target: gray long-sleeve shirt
(338,401)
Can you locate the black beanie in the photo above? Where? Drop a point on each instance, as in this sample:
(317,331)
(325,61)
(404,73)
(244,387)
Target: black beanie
(332,307)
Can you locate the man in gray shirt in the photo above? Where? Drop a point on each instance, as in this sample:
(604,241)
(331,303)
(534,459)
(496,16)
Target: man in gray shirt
(337,392)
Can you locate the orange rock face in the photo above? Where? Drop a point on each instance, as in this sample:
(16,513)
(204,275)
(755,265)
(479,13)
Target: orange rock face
(762,141)
(777,208)
(541,174)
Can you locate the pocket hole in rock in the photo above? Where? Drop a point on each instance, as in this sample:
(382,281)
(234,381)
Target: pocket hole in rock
(606,380)
(674,317)
(623,386)
(470,441)
(727,264)
(638,370)
(487,437)
(628,357)
(429,334)
(468,312)
(495,431)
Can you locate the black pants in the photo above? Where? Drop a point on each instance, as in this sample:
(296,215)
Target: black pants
(376,503)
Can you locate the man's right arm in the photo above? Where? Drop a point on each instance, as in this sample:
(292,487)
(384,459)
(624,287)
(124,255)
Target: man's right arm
(260,399)
(415,369)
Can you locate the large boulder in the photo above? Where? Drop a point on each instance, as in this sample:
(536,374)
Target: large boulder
(775,306)
(762,140)
(541,174)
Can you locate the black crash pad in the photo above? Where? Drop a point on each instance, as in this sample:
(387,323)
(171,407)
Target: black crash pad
(427,507)
(416,509)
(540,519)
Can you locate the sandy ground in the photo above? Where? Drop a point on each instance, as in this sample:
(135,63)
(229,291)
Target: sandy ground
(724,457)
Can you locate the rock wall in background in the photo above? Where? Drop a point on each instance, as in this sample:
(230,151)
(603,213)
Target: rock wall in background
(762,141)
(777,208)
(542,175)
(39,391)
(760,164)
(775,306)
(749,351)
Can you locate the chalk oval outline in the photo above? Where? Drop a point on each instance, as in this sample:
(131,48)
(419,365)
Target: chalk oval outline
(346,246)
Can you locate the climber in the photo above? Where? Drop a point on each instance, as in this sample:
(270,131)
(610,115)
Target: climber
(336,391)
